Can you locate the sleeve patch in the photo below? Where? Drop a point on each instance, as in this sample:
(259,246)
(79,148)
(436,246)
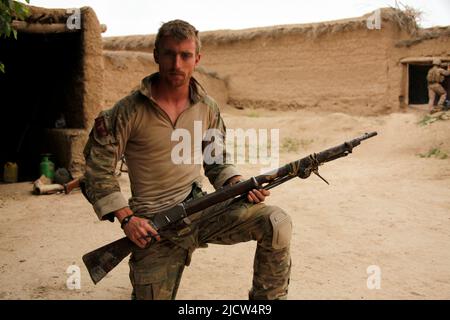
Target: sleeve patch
(100,127)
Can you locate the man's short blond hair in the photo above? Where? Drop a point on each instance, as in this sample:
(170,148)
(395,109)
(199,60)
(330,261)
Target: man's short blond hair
(180,30)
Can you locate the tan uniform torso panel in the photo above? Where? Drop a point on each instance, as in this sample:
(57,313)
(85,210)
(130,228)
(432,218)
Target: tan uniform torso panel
(149,156)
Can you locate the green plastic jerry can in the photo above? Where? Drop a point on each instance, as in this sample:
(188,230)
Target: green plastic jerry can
(47,167)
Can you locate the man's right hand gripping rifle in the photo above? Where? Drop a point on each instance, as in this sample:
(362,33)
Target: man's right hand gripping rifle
(136,229)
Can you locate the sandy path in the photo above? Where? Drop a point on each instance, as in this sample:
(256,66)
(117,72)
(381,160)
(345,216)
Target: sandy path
(386,206)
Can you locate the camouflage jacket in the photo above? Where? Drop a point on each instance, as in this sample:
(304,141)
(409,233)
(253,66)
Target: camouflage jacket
(436,74)
(139,129)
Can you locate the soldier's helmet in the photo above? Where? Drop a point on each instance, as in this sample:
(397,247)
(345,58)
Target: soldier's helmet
(436,61)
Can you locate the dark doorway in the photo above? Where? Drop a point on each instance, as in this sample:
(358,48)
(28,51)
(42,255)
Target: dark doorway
(417,87)
(42,83)
(446,85)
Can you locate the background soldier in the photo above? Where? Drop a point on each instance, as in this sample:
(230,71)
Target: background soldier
(140,127)
(434,77)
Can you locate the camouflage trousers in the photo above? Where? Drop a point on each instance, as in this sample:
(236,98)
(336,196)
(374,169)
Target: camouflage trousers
(433,90)
(155,272)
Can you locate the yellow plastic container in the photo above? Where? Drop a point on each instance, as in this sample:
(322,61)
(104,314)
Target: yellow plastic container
(10,172)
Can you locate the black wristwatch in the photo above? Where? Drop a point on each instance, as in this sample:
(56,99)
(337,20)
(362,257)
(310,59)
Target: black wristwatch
(126,220)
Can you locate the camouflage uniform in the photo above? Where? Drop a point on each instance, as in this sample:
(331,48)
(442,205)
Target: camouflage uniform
(155,272)
(434,78)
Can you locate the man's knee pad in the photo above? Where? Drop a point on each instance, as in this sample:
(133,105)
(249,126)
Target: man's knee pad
(282,229)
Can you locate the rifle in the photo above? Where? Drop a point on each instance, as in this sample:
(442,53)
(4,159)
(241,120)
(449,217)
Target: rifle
(102,260)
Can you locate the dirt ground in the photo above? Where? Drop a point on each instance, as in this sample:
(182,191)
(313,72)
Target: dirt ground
(386,206)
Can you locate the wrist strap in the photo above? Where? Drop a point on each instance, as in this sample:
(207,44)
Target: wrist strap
(126,220)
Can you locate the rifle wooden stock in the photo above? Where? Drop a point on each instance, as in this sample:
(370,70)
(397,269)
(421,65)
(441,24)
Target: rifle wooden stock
(102,260)
(69,186)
